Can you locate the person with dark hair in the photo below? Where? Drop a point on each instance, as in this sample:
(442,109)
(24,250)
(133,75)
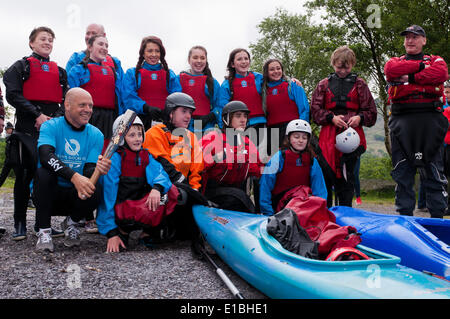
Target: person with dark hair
(101,82)
(95,29)
(230,157)
(342,104)
(199,83)
(294,165)
(69,153)
(146,86)
(35,87)
(417,126)
(282,100)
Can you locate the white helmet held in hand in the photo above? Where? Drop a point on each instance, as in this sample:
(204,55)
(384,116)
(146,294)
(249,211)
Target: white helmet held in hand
(348,141)
(137,121)
(298,126)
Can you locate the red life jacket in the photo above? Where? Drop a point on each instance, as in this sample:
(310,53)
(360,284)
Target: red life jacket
(280,108)
(236,165)
(342,93)
(296,171)
(43,83)
(109,62)
(195,87)
(133,181)
(244,90)
(101,86)
(153,88)
(413,92)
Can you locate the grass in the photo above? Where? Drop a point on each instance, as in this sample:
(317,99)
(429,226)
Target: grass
(379,196)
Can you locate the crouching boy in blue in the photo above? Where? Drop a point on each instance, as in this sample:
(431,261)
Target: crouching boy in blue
(137,192)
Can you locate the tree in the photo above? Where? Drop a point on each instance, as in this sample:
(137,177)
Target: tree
(302,47)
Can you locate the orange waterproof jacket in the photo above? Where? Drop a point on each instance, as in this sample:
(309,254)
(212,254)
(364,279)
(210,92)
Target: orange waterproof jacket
(178,153)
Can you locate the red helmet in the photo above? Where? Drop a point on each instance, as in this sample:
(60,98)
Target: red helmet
(346,253)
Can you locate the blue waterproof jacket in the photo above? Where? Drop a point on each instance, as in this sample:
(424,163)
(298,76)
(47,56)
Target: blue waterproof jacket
(77,57)
(269,177)
(155,174)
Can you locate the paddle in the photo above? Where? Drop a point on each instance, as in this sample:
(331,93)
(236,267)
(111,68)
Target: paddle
(221,274)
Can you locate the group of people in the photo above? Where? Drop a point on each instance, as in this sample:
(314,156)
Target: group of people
(193,141)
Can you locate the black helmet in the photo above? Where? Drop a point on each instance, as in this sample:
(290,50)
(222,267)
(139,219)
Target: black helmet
(175,100)
(230,108)
(9,125)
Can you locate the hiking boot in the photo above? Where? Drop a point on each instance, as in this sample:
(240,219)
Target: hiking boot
(358,201)
(72,236)
(91,227)
(45,241)
(20,231)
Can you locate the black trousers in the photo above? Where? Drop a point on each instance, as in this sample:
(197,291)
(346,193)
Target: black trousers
(343,188)
(52,199)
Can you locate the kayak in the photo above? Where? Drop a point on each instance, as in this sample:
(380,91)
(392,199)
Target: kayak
(241,241)
(421,243)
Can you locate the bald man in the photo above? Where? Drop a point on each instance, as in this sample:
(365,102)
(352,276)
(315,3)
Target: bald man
(69,152)
(91,30)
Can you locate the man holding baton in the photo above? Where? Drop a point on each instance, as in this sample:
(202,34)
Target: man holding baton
(69,152)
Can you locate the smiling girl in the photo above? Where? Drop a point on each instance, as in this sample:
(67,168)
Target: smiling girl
(101,81)
(283,100)
(199,83)
(146,86)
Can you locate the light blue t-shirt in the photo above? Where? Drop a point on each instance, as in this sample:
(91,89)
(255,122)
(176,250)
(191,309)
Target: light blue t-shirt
(74,148)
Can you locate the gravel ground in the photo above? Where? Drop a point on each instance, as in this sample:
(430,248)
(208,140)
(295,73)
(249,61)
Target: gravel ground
(168,272)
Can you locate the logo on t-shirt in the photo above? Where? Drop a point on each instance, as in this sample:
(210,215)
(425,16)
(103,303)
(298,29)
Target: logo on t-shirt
(72,147)
(244,84)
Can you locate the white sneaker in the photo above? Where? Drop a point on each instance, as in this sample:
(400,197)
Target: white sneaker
(45,241)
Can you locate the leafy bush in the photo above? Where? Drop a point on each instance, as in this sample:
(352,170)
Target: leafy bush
(373,167)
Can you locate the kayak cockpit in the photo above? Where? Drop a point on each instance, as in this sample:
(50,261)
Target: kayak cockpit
(376,257)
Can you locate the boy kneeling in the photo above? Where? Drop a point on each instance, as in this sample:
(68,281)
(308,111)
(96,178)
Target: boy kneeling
(137,192)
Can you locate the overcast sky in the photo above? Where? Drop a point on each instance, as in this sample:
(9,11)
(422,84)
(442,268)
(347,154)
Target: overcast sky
(218,25)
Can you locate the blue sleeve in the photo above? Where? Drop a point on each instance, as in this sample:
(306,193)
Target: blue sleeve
(223,98)
(74,59)
(267,183)
(318,185)
(216,109)
(130,96)
(156,174)
(96,147)
(106,214)
(78,76)
(298,95)
(47,134)
(174,83)
(258,81)
(119,69)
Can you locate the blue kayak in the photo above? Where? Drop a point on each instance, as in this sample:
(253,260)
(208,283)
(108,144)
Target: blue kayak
(241,240)
(421,243)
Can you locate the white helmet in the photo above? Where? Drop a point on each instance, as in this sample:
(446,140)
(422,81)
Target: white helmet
(137,121)
(298,126)
(347,141)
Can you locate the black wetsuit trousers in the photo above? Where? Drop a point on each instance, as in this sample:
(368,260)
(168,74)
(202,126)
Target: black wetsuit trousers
(52,199)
